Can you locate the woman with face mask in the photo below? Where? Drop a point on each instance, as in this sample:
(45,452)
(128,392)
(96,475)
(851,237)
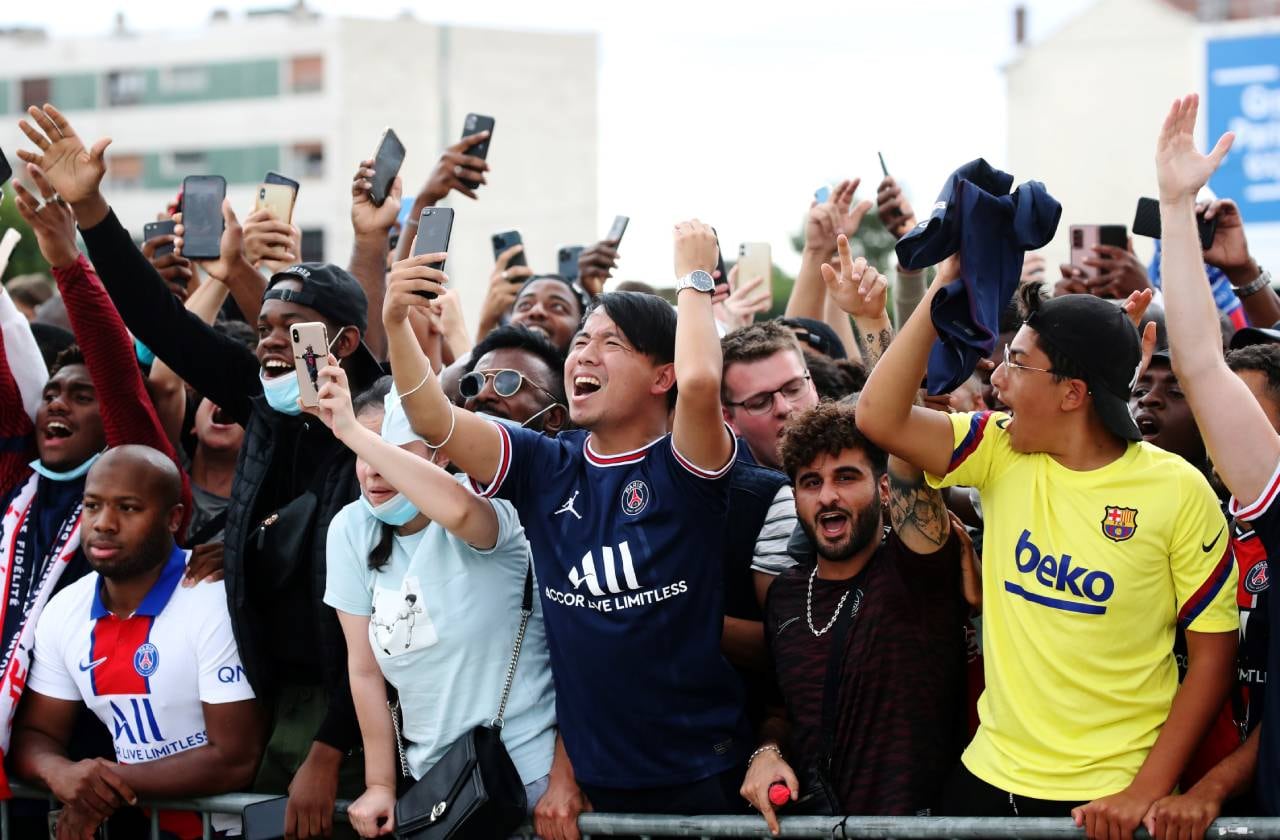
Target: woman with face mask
(428,580)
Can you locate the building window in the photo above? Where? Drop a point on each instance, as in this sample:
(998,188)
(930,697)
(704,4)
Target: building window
(306,73)
(125,171)
(313,245)
(307,159)
(183,80)
(181,164)
(35,92)
(126,87)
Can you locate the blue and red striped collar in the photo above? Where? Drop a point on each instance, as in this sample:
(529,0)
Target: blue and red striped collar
(157,597)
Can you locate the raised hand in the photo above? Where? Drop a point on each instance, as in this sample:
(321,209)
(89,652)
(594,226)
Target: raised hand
(696,247)
(596,265)
(893,208)
(857,288)
(407,277)
(230,245)
(74,171)
(1181,170)
(173,268)
(366,217)
(52,221)
(837,215)
(454,171)
(1229,250)
(749,298)
(333,400)
(270,241)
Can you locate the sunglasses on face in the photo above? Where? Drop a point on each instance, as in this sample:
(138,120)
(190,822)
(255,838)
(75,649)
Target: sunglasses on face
(506,383)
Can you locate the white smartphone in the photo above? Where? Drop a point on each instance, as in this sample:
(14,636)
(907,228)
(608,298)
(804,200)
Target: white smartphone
(310,353)
(755,260)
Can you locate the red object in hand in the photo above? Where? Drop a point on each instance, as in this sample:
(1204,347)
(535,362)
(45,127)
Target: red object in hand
(779,794)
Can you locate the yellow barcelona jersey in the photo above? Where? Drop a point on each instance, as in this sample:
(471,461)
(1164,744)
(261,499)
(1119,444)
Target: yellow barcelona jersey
(1085,576)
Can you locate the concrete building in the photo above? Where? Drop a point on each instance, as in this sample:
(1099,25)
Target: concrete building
(309,96)
(1085,106)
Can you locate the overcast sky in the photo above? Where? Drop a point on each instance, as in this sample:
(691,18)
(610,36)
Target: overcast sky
(734,112)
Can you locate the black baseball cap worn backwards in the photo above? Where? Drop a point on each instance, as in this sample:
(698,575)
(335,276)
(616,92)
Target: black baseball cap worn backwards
(1099,337)
(327,289)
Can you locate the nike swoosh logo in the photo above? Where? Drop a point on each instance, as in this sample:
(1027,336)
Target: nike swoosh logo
(94,664)
(1209,547)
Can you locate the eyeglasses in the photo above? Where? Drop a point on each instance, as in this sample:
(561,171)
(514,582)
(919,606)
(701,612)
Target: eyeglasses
(1012,365)
(506,383)
(791,390)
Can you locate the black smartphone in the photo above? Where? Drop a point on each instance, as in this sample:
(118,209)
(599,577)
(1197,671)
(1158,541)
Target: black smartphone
(722,282)
(153,229)
(434,227)
(386,166)
(509,239)
(618,229)
(6,171)
(883,168)
(476,123)
(202,197)
(277,178)
(1146,222)
(265,820)
(568,262)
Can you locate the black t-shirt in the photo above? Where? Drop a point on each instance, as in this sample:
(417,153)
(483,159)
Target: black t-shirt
(901,716)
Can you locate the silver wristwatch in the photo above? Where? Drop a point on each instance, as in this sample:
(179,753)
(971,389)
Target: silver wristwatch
(697,279)
(1263,280)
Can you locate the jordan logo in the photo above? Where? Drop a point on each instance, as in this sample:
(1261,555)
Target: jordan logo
(567,507)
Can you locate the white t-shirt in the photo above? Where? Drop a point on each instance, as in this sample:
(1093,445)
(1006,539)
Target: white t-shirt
(443,616)
(144,676)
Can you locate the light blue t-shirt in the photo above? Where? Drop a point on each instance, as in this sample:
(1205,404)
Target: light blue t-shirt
(443,618)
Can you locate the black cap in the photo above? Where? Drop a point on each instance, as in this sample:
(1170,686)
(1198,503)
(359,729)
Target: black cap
(817,334)
(1099,337)
(1255,335)
(335,294)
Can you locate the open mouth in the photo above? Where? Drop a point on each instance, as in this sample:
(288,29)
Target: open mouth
(56,430)
(1147,426)
(832,524)
(585,385)
(274,367)
(221,418)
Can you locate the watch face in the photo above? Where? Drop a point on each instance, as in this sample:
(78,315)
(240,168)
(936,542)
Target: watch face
(702,281)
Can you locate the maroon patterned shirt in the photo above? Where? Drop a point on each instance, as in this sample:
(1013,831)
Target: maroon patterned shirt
(900,722)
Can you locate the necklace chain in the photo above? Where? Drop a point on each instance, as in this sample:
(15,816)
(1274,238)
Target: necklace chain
(808,606)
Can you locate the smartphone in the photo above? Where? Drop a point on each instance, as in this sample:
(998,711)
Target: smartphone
(476,123)
(567,261)
(755,260)
(883,168)
(6,171)
(722,282)
(822,193)
(202,197)
(1146,222)
(265,820)
(310,353)
(386,166)
(618,229)
(509,239)
(153,229)
(1085,237)
(277,178)
(278,198)
(434,227)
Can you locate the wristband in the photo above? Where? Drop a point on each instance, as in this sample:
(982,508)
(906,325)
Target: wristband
(765,748)
(1263,280)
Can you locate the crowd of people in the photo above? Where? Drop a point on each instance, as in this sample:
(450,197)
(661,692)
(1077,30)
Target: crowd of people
(1001,551)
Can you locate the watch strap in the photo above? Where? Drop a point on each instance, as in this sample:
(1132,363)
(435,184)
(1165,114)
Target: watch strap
(1261,282)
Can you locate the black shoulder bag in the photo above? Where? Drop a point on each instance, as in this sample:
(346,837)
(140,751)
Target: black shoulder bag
(473,791)
(817,794)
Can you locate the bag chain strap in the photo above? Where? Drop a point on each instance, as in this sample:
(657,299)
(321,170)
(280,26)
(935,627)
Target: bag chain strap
(394,706)
(497,721)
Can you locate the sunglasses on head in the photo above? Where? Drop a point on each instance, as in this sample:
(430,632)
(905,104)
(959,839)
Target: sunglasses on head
(506,383)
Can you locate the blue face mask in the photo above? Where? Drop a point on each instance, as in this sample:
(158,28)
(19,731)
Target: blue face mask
(282,393)
(144,354)
(69,475)
(396,511)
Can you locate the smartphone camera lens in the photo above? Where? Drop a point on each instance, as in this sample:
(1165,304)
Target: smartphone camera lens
(295,335)
(1077,239)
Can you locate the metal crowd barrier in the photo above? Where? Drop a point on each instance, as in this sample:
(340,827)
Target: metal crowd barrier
(639,825)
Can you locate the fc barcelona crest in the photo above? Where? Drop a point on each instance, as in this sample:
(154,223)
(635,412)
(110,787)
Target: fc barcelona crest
(1119,523)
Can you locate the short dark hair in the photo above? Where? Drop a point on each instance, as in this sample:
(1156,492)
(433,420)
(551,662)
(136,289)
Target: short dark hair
(827,428)
(648,322)
(755,342)
(70,355)
(835,379)
(372,396)
(517,337)
(1064,367)
(1264,358)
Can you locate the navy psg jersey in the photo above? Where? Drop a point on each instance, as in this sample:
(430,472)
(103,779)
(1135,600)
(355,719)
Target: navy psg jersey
(627,551)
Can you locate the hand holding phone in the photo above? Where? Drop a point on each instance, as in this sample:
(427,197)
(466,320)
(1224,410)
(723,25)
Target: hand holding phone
(567,262)
(155,230)
(1146,222)
(476,123)
(506,240)
(386,166)
(310,350)
(435,226)
(1084,238)
(278,198)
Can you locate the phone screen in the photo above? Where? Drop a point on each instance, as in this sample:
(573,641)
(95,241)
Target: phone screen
(202,215)
(386,166)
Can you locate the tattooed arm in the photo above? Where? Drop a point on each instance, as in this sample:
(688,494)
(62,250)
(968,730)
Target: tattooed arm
(873,339)
(917,512)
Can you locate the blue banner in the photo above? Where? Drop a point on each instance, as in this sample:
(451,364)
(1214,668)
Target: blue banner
(1242,93)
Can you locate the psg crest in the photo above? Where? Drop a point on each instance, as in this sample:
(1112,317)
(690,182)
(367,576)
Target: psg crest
(1119,523)
(635,497)
(146,659)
